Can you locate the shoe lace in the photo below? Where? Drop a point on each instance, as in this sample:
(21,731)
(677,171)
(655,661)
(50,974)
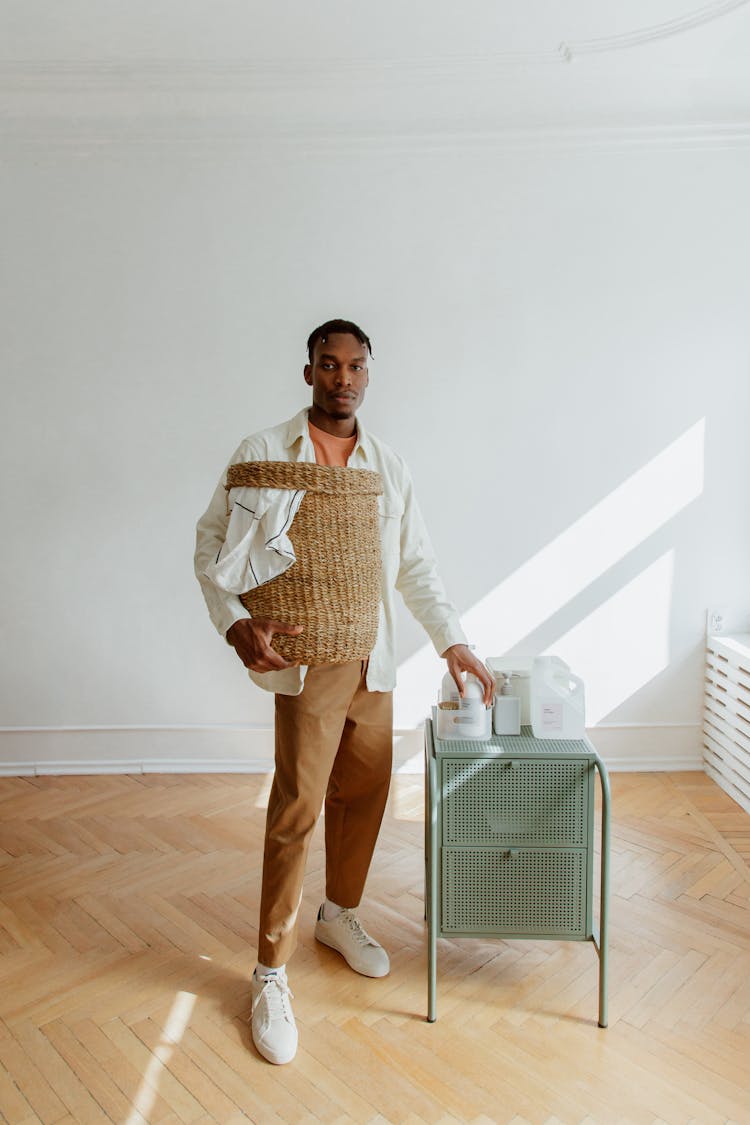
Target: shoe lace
(360,935)
(277,994)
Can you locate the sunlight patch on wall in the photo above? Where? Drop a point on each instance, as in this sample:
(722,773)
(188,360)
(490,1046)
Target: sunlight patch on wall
(624,643)
(566,566)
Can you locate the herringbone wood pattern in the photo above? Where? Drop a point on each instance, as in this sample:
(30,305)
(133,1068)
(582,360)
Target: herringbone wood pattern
(128,928)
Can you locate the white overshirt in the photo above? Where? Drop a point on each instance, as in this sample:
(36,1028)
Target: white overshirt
(408,560)
(257,547)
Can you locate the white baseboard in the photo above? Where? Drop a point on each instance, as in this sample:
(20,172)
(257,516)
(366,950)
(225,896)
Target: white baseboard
(33,751)
(624,747)
(649,747)
(135,749)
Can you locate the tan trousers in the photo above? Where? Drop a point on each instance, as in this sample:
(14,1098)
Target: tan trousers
(334,743)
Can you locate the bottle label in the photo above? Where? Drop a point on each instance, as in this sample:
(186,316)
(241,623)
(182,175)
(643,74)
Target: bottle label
(552,716)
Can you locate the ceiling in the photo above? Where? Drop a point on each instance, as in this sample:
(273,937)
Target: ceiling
(334,66)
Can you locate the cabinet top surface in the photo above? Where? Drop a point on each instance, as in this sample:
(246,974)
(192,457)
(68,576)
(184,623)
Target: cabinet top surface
(509,746)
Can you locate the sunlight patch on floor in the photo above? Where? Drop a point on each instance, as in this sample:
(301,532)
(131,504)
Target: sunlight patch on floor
(174,1029)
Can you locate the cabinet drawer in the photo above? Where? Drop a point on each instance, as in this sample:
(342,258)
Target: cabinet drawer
(527,892)
(518,802)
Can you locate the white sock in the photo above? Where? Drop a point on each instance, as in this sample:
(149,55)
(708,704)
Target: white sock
(330,910)
(264,970)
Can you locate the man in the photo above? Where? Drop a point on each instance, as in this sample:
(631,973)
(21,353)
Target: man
(333,722)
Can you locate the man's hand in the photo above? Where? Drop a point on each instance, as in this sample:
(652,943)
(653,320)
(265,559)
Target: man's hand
(460,659)
(251,639)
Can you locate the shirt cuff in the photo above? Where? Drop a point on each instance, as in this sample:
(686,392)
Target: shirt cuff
(228,618)
(446,635)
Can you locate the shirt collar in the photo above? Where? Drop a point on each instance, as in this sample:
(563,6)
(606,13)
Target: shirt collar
(296,429)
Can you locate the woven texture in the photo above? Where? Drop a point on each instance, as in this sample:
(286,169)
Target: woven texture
(333,589)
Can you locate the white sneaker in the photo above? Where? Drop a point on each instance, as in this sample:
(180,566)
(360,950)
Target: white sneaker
(345,934)
(274,1029)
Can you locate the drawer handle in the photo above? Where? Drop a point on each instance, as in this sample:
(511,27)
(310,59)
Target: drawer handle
(510,765)
(512,853)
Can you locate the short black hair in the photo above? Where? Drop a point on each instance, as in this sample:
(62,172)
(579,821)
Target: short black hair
(348,327)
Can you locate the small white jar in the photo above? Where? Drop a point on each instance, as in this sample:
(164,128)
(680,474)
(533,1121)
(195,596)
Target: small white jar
(463,717)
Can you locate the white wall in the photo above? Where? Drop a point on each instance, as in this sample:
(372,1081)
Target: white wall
(545,324)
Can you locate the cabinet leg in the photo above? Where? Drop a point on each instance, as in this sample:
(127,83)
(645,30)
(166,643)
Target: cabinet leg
(431,880)
(604,903)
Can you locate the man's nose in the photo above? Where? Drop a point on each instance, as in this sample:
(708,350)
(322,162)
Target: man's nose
(343,377)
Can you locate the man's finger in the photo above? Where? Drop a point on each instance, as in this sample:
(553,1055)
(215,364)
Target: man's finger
(281,627)
(277,665)
(271,661)
(459,682)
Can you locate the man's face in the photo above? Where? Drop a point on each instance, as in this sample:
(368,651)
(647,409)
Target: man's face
(338,375)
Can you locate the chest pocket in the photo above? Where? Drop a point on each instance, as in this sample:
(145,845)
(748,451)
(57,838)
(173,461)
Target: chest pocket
(389,508)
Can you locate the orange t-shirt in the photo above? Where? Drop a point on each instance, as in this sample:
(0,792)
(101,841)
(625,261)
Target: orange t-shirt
(331,450)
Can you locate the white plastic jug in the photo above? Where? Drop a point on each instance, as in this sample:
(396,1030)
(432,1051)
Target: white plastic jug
(467,717)
(557,700)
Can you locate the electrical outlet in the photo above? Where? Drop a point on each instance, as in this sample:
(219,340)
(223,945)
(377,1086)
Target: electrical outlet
(715,620)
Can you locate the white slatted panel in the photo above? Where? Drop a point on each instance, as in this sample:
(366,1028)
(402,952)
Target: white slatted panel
(726,718)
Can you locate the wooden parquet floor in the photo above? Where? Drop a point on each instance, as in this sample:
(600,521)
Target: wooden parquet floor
(127,933)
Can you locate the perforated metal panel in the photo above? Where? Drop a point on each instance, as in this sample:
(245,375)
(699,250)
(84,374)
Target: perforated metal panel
(509,837)
(525,892)
(523,743)
(515,802)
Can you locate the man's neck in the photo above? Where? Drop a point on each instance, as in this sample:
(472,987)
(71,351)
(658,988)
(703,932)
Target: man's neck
(337,427)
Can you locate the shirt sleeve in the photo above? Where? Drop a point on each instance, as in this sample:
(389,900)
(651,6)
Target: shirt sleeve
(223,608)
(418,580)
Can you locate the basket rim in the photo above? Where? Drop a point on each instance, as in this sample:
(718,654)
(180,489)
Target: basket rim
(328,479)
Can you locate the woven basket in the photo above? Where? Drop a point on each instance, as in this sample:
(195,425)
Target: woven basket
(333,589)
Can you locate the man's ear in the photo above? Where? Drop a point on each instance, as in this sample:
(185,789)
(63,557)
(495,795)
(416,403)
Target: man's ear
(308,374)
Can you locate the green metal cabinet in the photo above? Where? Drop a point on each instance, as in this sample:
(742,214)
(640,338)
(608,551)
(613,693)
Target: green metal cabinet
(509,835)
